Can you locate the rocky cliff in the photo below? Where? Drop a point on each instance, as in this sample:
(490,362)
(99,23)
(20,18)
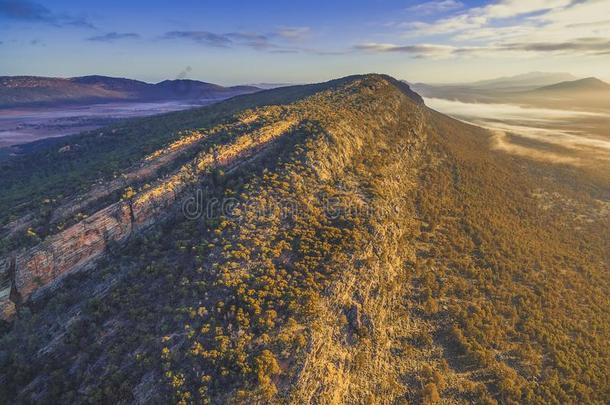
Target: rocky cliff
(24,272)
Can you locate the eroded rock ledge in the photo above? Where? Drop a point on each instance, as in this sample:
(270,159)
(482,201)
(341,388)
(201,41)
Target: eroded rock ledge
(24,272)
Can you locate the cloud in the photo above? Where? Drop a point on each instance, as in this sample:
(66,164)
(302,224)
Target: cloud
(580,45)
(254,40)
(479,17)
(434,7)
(280,41)
(82,22)
(201,37)
(417,49)
(603,23)
(322,52)
(293,33)
(515,27)
(113,36)
(284,51)
(512,8)
(25,10)
(590,46)
(29,11)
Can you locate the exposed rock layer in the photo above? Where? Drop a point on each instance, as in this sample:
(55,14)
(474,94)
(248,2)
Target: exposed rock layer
(24,272)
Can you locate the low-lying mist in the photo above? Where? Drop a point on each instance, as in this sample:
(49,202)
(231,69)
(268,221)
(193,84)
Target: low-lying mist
(20,125)
(546,134)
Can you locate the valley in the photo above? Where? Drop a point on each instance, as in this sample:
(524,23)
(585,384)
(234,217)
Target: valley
(24,125)
(565,122)
(33,108)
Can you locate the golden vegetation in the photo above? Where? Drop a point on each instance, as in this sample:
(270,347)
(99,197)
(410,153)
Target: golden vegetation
(376,252)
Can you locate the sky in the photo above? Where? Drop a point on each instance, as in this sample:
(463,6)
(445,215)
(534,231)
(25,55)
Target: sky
(245,42)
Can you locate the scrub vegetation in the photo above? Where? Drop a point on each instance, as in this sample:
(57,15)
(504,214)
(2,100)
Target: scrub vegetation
(374,251)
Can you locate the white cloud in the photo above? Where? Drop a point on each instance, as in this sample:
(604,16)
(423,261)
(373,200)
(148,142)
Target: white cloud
(586,19)
(479,17)
(433,7)
(512,27)
(512,8)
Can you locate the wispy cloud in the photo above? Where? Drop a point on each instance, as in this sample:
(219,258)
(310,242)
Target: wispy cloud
(433,7)
(416,50)
(25,10)
(579,45)
(602,23)
(29,11)
(480,17)
(515,27)
(254,40)
(114,36)
(294,33)
(201,37)
(591,46)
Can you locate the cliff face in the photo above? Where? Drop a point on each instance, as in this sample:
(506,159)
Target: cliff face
(22,273)
(27,271)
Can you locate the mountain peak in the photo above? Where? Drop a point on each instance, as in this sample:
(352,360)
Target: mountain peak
(370,79)
(526,79)
(586,84)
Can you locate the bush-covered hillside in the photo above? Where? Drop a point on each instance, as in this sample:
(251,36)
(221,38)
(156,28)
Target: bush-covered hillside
(369,250)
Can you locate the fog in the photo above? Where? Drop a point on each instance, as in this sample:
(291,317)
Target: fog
(21,125)
(580,132)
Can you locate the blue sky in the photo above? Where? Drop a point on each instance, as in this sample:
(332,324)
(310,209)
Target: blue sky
(302,41)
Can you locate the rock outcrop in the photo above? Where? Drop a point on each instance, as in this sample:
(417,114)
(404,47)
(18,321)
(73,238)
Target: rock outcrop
(27,271)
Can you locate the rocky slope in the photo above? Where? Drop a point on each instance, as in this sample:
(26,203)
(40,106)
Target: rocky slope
(347,245)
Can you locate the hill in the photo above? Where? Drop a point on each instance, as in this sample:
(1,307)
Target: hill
(583,85)
(492,90)
(32,90)
(543,90)
(524,81)
(329,243)
(589,94)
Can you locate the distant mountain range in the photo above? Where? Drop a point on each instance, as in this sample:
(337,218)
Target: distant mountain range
(558,90)
(524,81)
(33,90)
(587,84)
